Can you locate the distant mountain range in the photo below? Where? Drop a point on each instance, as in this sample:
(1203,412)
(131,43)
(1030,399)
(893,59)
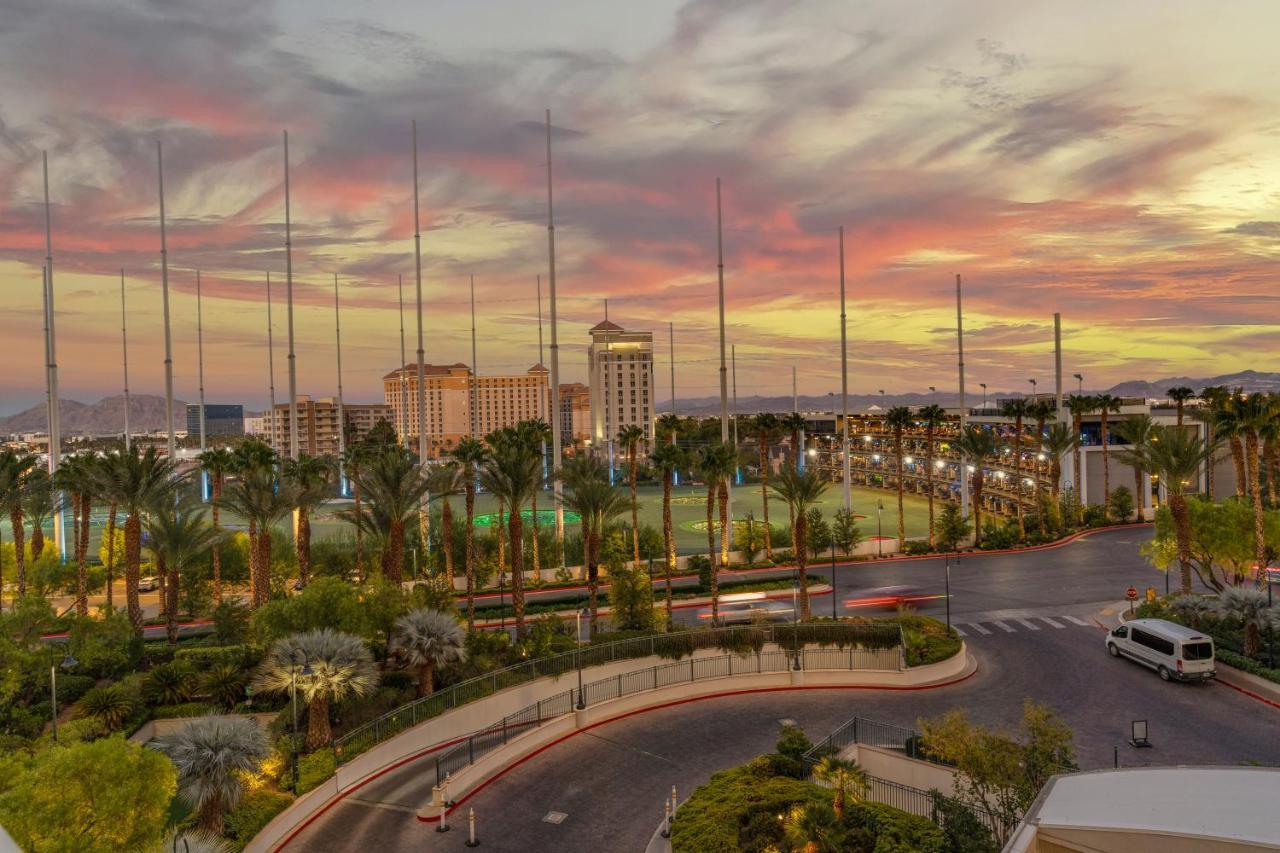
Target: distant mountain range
(105,417)
(1249,380)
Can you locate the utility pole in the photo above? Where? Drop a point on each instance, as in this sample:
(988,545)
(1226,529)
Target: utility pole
(542,397)
(964,469)
(844,387)
(417,276)
(558,455)
(288,291)
(51,345)
(124,351)
(733,353)
(168,340)
(671,338)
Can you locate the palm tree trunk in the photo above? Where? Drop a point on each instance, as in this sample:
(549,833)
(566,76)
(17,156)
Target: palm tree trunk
(393,554)
(1270,460)
(1237,456)
(668,539)
(635,509)
(1137,493)
(902,521)
(446,537)
(928,474)
(470,547)
(764,497)
(502,548)
(318,732)
(535,544)
(711,529)
(726,526)
(82,549)
(796,450)
(132,566)
(590,550)
(516,526)
(37,545)
(801,536)
(355,496)
(1255,490)
(977,504)
(253,561)
(1055,471)
(1106,461)
(1017,476)
(426,679)
(170,600)
(1182,531)
(216,555)
(111,552)
(1213,457)
(302,546)
(262,589)
(212,815)
(1076,458)
(19,557)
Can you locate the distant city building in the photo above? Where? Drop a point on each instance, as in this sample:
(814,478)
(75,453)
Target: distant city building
(218,419)
(318,424)
(258,425)
(500,401)
(575,414)
(620,376)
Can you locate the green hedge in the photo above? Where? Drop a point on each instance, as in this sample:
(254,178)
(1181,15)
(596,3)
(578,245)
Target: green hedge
(254,811)
(1249,665)
(314,769)
(243,656)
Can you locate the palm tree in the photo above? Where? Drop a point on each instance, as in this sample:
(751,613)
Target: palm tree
(630,438)
(263,500)
(177,537)
(668,458)
(1058,442)
(813,828)
(217,462)
(1176,455)
(668,425)
(1256,413)
(898,419)
(1136,431)
(716,463)
(393,484)
(75,476)
(1079,406)
(536,433)
(976,446)
(795,423)
(15,471)
(137,481)
(1250,607)
(766,426)
(327,666)
(932,416)
(597,503)
(846,779)
(1107,404)
(513,473)
(1042,411)
(1214,397)
(309,477)
(443,482)
(1017,409)
(427,640)
(38,506)
(800,491)
(352,461)
(1180,394)
(470,454)
(212,754)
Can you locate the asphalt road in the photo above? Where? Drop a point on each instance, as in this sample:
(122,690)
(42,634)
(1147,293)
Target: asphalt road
(1028,618)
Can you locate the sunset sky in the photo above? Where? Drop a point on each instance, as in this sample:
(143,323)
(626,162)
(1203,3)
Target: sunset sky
(1117,162)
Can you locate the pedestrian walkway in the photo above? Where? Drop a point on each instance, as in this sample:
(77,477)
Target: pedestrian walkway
(1013,624)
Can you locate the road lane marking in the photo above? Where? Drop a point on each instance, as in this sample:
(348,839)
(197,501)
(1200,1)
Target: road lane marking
(979,628)
(1076,621)
(1051,622)
(1003,627)
(1030,625)
(959,632)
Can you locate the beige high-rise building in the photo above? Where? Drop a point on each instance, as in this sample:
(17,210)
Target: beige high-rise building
(500,401)
(318,424)
(621,381)
(575,414)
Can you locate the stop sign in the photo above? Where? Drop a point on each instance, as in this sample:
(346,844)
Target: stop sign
(1131,593)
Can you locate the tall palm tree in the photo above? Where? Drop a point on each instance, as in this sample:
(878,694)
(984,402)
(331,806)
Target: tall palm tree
(1079,405)
(1058,441)
(932,416)
(1214,397)
(1180,394)
(353,459)
(137,481)
(76,477)
(766,426)
(1256,413)
(263,499)
(513,473)
(1136,431)
(795,423)
(668,425)
(1176,455)
(1041,411)
(445,481)
(630,439)
(427,640)
(212,754)
(1017,409)
(15,471)
(898,419)
(1107,404)
(311,479)
(800,491)
(597,503)
(177,537)
(393,484)
(668,458)
(716,464)
(38,506)
(976,446)
(470,454)
(217,462)
(326,665)
(536,434)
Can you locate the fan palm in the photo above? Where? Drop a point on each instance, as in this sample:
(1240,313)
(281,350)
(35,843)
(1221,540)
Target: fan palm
(38,505)
(1176,455)
(1180,394)
(813,828)
(309,478)
(898,419)
(932,416)
(597,503)
(15,471)
(1108,404)
(211,754)
(846,778)
(1249,606)
(263,500)
(1256,413)
(795,423)
(217,462)
(800,491)
(536,434)
(1041,411)
(393,485)
(668,458)
(1017,409)
(177,537)
(513,473)
(1058,441)
(470,454)
(1079,405)
(976,446)
(1136,431)
(716,464)
(669,425)
(444,482)
(766,426)
(630,439)
(339,666)
(427,640)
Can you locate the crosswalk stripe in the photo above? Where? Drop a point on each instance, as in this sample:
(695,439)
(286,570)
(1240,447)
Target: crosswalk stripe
(1077,621)
(1030,625)
(958,631)
(979,628)
(1051,622)
(1004,627)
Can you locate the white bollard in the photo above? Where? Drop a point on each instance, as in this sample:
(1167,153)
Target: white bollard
(443,826)
(444,789)
(471,829)
(666,820)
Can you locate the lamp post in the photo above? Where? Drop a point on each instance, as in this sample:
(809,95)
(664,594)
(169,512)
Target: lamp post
(581,704)
(67,662)
(1079,377)
(833,579)
(983,386)
(293,698)
(502,602)
(1033,387)
(947,569)
(795,622)
(933,390)
(879,528)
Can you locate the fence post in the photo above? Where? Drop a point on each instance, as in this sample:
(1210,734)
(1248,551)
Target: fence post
(471,750)
(618,689)
(655,677)
(855,730)
(690,669)
(539,712)
(504,729)
(851,657)
(494,688)
(377,730)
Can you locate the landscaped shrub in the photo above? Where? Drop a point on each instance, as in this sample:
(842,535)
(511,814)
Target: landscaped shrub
(1096,516)
(998,534)
(793,743)
(314,769)
(1121,508)
(224,684)
(255,810)
(916,546)
(894,829)
(72,687)
(170,684)
(701,564)
(398,680)
(721,815)
(242,655)
(110,705)
(106,647)
(185,709)
(964,831)
(1249,665)
(231,621)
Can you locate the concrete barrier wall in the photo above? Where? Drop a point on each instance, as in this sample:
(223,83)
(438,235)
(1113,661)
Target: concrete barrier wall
(153,729)
(895,766)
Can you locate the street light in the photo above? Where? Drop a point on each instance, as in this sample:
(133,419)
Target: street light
(1079,377)
(581,704)
(67,662)
(833,579)
(983,386)
(933,390)
(306,672)
(1033,387)
(879,528)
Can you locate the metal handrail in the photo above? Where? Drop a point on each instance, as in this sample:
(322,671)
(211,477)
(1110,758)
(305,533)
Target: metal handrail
(678,643)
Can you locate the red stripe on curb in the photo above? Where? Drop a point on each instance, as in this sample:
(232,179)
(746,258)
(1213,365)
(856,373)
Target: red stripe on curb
(1264,700)
(545,747)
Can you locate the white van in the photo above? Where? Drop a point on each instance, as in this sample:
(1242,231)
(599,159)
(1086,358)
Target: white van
(1173,650)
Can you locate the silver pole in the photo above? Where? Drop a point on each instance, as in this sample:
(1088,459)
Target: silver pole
(964,469)
(671,338)
(164,288)
(542,397)
(124,350)
(204,477)
(733,355)
(337,337)
(403,421)
(844,385)
(271,370)
(417,272)
(1057,362)
(55,405)
(608,390)
(474,398)
(288,290)
(558,455)
(724,373)
(51,410)
(795,398)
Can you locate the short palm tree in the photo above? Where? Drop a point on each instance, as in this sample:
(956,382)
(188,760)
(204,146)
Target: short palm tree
(513,473)
(977,445)
(898,419)
(668,426)
(393,485)
(427,640)
(1180,394)
(813,828)
(1017,409)
(630,440)
(310,479)
(1059,440)
(211,755)
(443,482)
(597,503)
(470,454)
(932,416)
(15,471)
(38,507)
(766,427)
(1249,606)
(668,458)
(1107,404)
(217,462)
(846,778)
(1191,608)
(1136,431)
(1176,455)
(799,491)
(177,537)
(1041,411)
(327,665)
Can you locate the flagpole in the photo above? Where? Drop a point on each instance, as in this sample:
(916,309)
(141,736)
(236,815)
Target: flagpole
(124,349)
(164,289)
(288,291)
(271,371)
(558,455)
(204,476)
(844,385)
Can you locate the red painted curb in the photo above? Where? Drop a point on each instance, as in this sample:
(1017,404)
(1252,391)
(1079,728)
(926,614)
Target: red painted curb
(638,711)
(1264,700)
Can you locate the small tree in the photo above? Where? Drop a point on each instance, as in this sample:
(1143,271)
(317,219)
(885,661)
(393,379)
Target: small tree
(1121,507)
(748,537)
(819,532)
(427,640)
(845,531)
(1249,607)
(951,528)
(211,754)
(846,778)
(630,591)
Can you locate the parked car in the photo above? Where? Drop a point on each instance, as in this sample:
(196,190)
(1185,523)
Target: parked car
(1172,650)
(148,584)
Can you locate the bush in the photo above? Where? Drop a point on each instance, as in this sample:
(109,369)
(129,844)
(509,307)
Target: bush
(104,648)
(965,832)
(111,705)
(793,743)
(1096,516)
(170,684)
(72,687)
(1121,508)
(1249,665)
(997,535)
(701,564)
(243,656)
(894,829)
(313,769)
(912,547)
(255,810)
(184,709)
(231,622)
(722,814)
(399,680)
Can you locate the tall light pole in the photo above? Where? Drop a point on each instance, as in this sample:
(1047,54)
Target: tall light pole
(51,353)
(288,292)
(558,454)
(342,412)
(844,405)
(737,469)
(124,352)
(983,386)
(542,397)
(671,339)
(1033,386)
(1057,364)
(473,399)
(964,471)
(1079,377)
(271,369)
(204,475)
(422,363)
(724,372)
(164,289)
(404,377)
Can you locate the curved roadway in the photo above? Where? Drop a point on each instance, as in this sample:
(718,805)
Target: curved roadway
(1029,619)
